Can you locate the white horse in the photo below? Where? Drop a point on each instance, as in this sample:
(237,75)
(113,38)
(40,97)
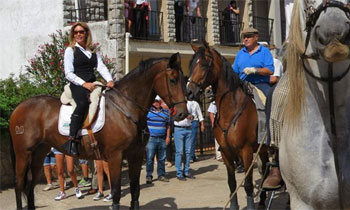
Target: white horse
(315,146)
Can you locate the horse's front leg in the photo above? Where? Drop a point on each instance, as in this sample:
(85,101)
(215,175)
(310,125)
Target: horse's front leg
(231,177)
(135,164)
(115,165)
(247,157)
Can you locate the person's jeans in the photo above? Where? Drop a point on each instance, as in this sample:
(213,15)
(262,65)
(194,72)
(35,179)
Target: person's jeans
(194,128)
(156,145)
(182,138)
(264,87)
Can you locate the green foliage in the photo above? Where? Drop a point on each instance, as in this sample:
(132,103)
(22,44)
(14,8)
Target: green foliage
(44,74)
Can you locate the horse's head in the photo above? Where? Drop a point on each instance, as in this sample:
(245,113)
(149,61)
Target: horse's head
(327,25)
(201,71)
(170,86)
(318,45)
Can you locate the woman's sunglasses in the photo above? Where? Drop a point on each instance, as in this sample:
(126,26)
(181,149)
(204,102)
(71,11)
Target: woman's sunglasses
(79,32)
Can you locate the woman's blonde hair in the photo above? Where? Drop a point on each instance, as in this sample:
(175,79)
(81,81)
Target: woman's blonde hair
(88,38)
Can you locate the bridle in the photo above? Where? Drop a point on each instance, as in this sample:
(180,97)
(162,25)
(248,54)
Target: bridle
(209,68)
(312,16)
(169,96)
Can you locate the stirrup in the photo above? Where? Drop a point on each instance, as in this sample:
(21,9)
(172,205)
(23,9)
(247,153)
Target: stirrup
(71,146)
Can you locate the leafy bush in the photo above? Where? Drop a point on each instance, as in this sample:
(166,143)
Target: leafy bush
(44,74)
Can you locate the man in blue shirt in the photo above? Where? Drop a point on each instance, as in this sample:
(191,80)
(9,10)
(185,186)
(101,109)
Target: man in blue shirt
(254,62)
(158,122)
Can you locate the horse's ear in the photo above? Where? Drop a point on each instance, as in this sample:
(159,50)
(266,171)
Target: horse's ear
(175,60)
(206,44)
(194,48)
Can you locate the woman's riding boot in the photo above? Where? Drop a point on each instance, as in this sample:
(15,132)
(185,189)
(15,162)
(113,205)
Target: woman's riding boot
(72,145)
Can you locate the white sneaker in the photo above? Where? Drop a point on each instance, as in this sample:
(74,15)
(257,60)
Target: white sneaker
(78,193)
(48,187)
(61,195)
(109,198)
(99,195)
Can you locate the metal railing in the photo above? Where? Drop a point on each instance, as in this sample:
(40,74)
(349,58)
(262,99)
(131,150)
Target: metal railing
(264,26)
(87,14)
(230,30)
(146,24)
(190,28)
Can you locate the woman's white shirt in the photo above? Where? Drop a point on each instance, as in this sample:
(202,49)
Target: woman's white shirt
(69,68)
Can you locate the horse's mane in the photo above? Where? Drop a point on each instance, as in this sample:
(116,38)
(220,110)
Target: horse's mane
(295,48)
(141,69)
(232,80)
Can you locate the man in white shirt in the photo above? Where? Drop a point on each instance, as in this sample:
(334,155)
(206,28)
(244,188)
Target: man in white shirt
(212,112)
(182,139)
(197,119)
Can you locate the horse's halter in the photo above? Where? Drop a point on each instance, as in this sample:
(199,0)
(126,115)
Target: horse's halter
(172,103)
(312,16)
(208,65)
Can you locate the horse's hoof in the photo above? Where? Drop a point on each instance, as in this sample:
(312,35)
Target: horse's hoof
(134,205)
(234,203)
(115,206)
(261,206)
(250,203)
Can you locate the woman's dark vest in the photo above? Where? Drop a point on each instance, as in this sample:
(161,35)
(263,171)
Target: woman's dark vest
(83,66)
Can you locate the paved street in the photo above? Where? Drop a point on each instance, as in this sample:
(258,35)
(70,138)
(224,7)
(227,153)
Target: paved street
(208,191)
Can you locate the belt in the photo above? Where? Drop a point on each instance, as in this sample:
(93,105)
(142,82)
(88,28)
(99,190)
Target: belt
(159,137)
(186,127)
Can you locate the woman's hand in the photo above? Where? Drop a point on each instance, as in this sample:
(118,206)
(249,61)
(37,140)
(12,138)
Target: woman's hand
(110,84)
(89,85)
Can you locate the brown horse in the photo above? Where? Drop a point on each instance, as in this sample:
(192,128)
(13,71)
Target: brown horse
(236,121)
(34,127)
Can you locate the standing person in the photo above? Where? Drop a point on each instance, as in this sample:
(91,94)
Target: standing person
(197,119)
(49,165)
(102,166)
(80,59)
(158,125)
(212,112)
(60,173)
(84,182)
(179,16)
(182,136)
(231,19)
(140,14)
(254,62)
(129,14)
(193,5)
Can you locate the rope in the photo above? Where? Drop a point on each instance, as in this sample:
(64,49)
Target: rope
(248,171)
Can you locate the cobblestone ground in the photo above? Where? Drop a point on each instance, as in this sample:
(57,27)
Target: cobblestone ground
(208,191)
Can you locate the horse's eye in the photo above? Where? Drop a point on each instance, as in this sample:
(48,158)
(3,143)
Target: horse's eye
(173,81)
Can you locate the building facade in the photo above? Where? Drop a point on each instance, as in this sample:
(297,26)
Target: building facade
(162,31)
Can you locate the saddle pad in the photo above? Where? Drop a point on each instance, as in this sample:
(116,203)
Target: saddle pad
(66,112)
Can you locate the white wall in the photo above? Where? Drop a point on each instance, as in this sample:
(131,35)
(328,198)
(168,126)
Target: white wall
(24,25)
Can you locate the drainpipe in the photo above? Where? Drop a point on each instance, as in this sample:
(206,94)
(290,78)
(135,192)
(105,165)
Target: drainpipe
(127,36)
(76,4)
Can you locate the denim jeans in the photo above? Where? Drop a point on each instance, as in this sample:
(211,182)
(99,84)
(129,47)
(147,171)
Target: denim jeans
(156,145)
(264,87)
(194,128)
(182,138)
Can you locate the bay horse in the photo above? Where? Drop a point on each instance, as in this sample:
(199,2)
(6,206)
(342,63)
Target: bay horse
(34,127)
(315,137)
(236,120)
